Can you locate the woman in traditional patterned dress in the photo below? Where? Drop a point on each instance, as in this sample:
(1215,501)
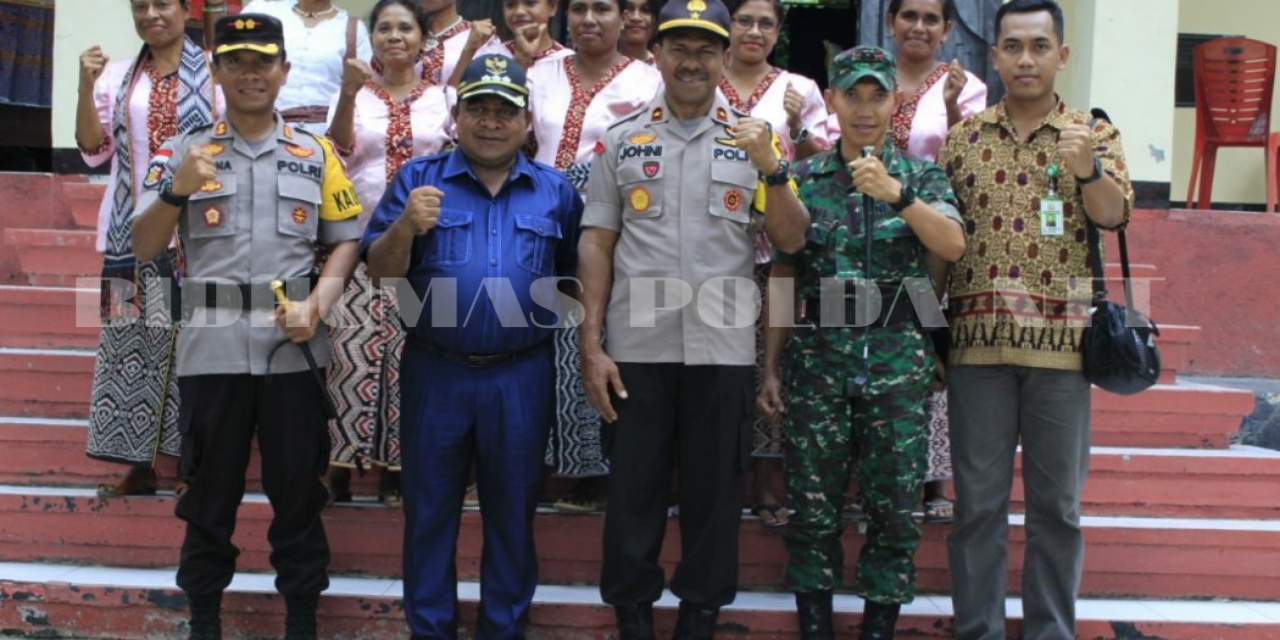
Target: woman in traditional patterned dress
(794,106)
(318,36)
(126,110)
(573,102)
(378,122)
(640,23)
(455,42)
(936,95)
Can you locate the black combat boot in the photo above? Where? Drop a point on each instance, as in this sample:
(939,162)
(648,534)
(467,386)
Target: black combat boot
(696,622)
(878,621)
(206,617)
(300,619)
(635,622)
(814,608)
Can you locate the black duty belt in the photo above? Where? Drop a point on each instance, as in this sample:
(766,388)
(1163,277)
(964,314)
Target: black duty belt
(245,297)
(896,308)
(475,360)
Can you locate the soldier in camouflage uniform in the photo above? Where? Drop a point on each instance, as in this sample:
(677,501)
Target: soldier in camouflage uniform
(856,395)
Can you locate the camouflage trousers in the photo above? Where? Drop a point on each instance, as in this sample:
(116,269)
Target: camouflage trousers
(884,439)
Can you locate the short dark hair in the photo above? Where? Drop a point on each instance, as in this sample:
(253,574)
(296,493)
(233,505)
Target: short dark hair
(948,8)
(413,6)
(1034,6)
(779,11)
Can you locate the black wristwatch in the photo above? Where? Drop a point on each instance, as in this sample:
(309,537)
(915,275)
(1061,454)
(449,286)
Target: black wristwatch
(1095,176)
(169,197)
(905,199)
(781,176)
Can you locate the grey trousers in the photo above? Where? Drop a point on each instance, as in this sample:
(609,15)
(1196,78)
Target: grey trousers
(992,408)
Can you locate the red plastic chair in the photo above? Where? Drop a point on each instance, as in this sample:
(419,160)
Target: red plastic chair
(1234,82)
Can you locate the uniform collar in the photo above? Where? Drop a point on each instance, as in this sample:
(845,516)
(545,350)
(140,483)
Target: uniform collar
(456,164)
(999,116)
(721,113)
(284,134)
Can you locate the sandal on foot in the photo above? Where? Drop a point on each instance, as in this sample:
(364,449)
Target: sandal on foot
(140,481)
(472,499)
(772,515)
(389,489)
(939,510)
(338,483)
(582,499)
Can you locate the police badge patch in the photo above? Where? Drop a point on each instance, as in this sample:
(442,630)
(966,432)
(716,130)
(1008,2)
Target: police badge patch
(156,170)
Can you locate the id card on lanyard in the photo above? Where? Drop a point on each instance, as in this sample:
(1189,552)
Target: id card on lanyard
(1051,207)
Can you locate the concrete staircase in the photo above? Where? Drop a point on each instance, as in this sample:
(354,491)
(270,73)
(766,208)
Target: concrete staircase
(1183,530)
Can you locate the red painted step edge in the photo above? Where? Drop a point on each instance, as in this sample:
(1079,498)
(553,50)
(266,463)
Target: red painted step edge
(142,532)
(55,252)
(49,318)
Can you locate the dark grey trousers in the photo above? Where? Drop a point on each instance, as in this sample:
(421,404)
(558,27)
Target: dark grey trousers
(992,409)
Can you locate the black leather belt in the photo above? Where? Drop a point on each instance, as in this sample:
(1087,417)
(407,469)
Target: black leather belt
(232,295)
(476,360)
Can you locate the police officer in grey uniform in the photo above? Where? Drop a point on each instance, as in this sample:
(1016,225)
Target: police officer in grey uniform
(677,193)
(250,198)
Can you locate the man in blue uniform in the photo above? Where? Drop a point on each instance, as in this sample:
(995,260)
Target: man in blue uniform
(480,231)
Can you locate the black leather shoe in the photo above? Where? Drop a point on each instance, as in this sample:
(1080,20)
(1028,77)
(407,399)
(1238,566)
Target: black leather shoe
(878,621)
(814,608)
(635,622)
(696,622)
(206,617)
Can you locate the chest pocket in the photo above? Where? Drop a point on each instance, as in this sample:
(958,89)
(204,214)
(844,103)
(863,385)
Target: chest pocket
(298,209)
(536,241)
(449,243)
(210,212)
(641,184)
(733,185)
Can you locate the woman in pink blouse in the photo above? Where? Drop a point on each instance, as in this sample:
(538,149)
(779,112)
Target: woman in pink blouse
(377,123)
(126,110)
(572,102)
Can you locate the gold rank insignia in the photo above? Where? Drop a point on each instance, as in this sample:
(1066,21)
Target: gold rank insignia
(211,186)
(288,132)
(250,24)
(639,199)
(642,138)
(220,129)
(214,149)
(732,200)
(299,152)
(656,115)
(721,114)
(695,8)
(213,217)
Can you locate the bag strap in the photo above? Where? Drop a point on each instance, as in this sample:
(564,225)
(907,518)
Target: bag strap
(1095,257)
(352,52)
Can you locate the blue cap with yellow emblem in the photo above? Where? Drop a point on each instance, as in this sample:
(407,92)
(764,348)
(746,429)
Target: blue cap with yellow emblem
(496,75)
(707,15)
(248,31)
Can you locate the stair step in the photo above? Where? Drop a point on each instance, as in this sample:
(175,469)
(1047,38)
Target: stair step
(1184,415)
(45,383)
(49,317)
(85,198)
(1126,556)
(95,601)
(60,252)
(1202,483)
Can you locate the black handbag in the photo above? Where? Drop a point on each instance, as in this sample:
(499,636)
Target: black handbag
(1118,346)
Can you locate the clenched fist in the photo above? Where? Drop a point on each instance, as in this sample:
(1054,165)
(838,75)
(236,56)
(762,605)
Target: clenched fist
(355,72)
(422,210)
(956,81)
(197,168)
(92,62)
(755,137)
(481,31)
(1076,146)
(792,103)
(871,177)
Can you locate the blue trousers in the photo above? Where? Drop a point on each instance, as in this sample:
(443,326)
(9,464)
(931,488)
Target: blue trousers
(448,413)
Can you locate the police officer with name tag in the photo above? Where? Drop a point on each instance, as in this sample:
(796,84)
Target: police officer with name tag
(676,196)
(250,199)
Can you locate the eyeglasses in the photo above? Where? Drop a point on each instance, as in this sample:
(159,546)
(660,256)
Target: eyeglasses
(766,25)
